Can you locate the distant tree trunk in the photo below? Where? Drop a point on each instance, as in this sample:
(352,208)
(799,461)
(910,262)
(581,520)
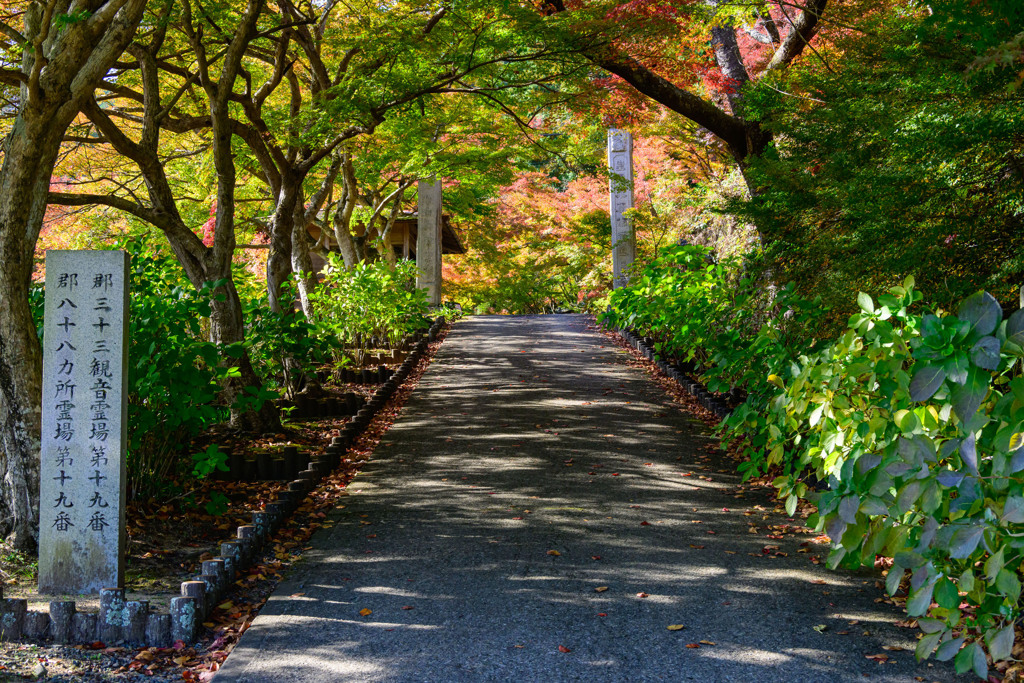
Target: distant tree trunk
(60,72)
(385,235)
(279,262)
(342,221)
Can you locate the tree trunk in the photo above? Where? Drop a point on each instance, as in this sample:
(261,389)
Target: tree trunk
(302,264)
(24,179)
(61,68)
(279,262)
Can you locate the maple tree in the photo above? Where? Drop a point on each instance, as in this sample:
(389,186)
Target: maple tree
(54,59)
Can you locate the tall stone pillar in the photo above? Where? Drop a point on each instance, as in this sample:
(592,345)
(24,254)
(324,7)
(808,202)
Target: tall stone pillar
(428,239)
(620,167)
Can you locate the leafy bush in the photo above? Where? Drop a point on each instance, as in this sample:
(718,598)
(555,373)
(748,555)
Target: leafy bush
(371,301)
(283,345)
(916,422)
(173,371)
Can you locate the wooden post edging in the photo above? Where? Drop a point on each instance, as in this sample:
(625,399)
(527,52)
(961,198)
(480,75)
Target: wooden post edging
(131,622)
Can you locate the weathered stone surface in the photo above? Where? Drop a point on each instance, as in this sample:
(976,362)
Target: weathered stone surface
(113,616)
(620,166)
(82,464)
(428,240)
(36,625)
(12,618)
(62,614)
(184,619)
(83,627)
(158,630)
(137,612)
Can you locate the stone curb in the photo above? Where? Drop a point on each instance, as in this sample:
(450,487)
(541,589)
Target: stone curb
(130,622)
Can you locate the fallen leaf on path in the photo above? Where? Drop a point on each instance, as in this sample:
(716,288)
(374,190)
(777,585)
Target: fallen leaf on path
(601,589)
(297,595)
(693,646)
(821,628)
(554,552)
(880,658)
(366,612)
(602,614)
(642,595)
(407,607)
(563,648)
(676,627)
(707,642)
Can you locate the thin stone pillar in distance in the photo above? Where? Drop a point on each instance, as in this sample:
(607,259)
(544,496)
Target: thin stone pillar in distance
(428,239)
(620,167)
(82,454)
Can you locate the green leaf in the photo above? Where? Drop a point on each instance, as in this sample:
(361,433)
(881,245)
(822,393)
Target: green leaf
(927,380)
(848,508)
(964,541)
(893,579)
(1008,584)
(1013,510)
(946,594)
(985,353)
(1000,643)
(994,564)
(865,303)
(926,645)
(1015,328)
(969,453)
(968,397)
(970,658)
(920,600)
(982,311)
(949,649)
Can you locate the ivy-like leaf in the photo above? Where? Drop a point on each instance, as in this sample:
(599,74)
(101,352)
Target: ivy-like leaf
(982,311)
(927,380)
(985,353)
(908,495)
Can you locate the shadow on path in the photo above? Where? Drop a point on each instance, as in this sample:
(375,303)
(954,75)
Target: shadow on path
(531,467)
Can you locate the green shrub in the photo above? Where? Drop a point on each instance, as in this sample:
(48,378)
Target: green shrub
(915,421)
(371,301)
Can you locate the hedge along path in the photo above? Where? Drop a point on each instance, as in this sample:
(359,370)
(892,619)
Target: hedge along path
(541,510)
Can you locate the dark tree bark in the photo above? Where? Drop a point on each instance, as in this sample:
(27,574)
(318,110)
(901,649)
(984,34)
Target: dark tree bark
(60,69)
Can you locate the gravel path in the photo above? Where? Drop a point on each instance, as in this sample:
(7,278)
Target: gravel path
(542,512)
